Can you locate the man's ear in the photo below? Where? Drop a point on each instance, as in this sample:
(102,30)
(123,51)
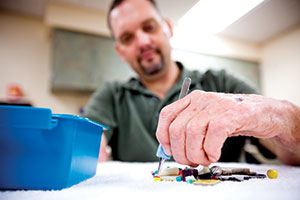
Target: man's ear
(168,28)
(119,51)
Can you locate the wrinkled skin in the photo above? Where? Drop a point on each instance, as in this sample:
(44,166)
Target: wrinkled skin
(194,129)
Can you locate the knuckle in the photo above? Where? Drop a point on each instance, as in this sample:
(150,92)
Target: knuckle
(193,129)
(196,93)
(211,95)
(164,113)
(215,126)
(175,131)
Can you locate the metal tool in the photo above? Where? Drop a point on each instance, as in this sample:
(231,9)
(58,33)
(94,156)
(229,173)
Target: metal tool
(160,152)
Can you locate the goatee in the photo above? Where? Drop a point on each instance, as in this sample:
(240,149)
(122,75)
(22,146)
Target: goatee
(153,68)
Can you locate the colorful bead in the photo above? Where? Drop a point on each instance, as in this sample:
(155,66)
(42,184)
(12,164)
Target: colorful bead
(272,173)
(178,178)
(157,179)
(190,179)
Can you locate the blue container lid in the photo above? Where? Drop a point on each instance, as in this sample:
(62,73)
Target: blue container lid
(77,117)
(33,117)
(26,117)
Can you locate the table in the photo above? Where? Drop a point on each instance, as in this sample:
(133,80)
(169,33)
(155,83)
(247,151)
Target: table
(123,180)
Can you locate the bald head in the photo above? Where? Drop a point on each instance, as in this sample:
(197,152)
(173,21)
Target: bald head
(116,3)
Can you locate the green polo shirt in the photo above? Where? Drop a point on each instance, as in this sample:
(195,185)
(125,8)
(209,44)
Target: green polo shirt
(131,111)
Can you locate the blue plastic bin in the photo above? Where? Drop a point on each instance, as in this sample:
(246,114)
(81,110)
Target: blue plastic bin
(44,151)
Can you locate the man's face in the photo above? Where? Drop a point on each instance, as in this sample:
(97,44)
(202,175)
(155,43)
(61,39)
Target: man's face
(142,38)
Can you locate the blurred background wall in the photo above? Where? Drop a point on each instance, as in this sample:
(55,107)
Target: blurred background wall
(27,33)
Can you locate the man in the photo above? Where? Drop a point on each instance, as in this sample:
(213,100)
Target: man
(197,129)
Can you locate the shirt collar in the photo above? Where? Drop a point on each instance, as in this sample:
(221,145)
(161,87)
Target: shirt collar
(135,84)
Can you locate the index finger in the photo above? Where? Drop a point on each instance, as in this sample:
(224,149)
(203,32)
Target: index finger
(167,115)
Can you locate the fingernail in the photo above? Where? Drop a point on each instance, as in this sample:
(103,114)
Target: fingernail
(167,151)
(213,159)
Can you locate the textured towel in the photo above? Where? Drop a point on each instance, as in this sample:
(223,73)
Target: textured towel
(121,180)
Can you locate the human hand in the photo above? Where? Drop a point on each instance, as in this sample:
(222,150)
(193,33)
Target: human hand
(194,129)
(103,154)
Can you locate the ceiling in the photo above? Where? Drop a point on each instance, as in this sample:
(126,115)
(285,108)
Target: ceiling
(37,7)
(267,20)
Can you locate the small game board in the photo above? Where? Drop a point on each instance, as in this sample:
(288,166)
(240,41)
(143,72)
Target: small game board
(209,175)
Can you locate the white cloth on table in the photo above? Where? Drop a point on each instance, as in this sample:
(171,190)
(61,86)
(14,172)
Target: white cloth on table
(123,180)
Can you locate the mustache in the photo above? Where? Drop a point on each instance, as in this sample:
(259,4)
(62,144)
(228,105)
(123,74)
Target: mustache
(139,57)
